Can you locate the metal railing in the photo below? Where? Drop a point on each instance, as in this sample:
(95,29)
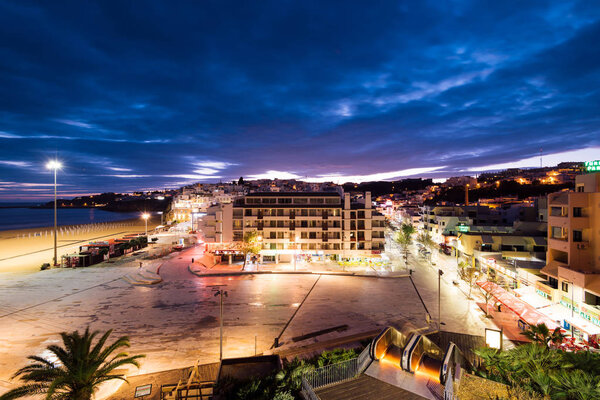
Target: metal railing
(340,372)
(308,390)
(333,373)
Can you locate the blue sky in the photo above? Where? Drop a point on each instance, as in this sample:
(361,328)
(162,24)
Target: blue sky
(139,95)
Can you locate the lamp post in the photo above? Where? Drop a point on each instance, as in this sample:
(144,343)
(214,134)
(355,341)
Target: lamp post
(145,217)
(440,273)
(54,165)
(221,293)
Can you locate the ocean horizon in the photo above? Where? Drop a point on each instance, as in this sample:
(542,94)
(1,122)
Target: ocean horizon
(20,216)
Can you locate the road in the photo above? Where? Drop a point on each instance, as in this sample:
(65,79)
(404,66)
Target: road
(459,314)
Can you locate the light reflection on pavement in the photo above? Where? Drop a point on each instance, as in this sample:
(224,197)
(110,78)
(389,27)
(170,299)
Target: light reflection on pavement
(176,322)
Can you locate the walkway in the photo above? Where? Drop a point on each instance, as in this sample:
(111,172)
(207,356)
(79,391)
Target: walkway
(366,388)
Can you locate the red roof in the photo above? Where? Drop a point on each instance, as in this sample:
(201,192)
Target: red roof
(525,311)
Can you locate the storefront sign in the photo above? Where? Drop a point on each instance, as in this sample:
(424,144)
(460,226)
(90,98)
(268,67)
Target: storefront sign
(584,312)
(463,228)
(543,291)
(592,166)
(543,294)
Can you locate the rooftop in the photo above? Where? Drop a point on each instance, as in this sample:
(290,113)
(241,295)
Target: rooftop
(293,194)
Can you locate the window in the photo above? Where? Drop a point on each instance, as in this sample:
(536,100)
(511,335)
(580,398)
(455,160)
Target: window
(361,214)
(558,232)
(301,201)
(334,200)
(312,212)
(269,200)
(577,236)
(285,200)
(565,287)
(577,212)
(317,201)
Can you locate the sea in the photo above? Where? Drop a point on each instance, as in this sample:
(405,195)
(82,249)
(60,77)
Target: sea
(21,216)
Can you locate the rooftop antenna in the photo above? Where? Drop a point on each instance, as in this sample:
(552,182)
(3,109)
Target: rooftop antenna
(541,155)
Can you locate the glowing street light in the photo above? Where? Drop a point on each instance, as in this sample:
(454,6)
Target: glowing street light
(54,165)
(145,217)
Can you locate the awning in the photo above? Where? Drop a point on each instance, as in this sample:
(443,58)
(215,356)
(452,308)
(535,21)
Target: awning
(526,312)
(557,311)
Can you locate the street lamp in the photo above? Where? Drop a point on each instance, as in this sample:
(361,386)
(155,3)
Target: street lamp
(145,217)
(440,273)
(221,293)
(54,165)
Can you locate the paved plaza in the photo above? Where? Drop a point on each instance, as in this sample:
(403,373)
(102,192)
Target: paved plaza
(176,322)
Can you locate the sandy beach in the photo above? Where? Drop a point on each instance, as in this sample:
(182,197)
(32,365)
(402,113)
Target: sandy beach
(26,250)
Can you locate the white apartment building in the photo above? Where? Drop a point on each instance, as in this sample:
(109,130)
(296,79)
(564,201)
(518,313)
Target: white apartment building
(305,225)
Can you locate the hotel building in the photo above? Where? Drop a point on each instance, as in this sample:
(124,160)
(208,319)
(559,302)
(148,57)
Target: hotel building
(573,258)
(306,225)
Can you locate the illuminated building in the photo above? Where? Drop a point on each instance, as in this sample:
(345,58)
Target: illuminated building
(573,258)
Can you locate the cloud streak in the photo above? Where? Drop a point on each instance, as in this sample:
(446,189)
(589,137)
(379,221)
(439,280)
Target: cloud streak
(171,94)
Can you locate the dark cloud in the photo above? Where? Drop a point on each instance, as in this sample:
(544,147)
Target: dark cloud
(140,95)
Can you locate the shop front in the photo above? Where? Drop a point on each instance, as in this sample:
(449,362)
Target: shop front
(545,291)
(582,321)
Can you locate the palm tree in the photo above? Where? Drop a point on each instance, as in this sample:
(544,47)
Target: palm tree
(78,370)
(540,334)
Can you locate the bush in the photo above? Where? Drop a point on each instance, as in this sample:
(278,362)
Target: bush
(283,396)
(543,371)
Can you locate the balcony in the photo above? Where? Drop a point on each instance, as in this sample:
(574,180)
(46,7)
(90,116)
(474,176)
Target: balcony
(558,244)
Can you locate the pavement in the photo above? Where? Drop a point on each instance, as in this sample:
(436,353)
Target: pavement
(175,322)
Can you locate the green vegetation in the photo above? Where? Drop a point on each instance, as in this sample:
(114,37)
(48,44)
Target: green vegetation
(75,370)
(404,238)
(539,371)
(282,385)
(250,245)
(427,242)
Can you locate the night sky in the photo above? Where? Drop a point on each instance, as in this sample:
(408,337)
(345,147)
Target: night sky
(135,95)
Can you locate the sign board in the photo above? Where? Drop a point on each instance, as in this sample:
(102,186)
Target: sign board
(463,228)
(143,390)
(592,166)
(493,338)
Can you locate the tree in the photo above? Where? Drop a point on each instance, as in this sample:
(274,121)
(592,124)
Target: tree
(426,240)
(540,334)
(251,244)
(241,180)
(79,370)
(404,238)
(470,275)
